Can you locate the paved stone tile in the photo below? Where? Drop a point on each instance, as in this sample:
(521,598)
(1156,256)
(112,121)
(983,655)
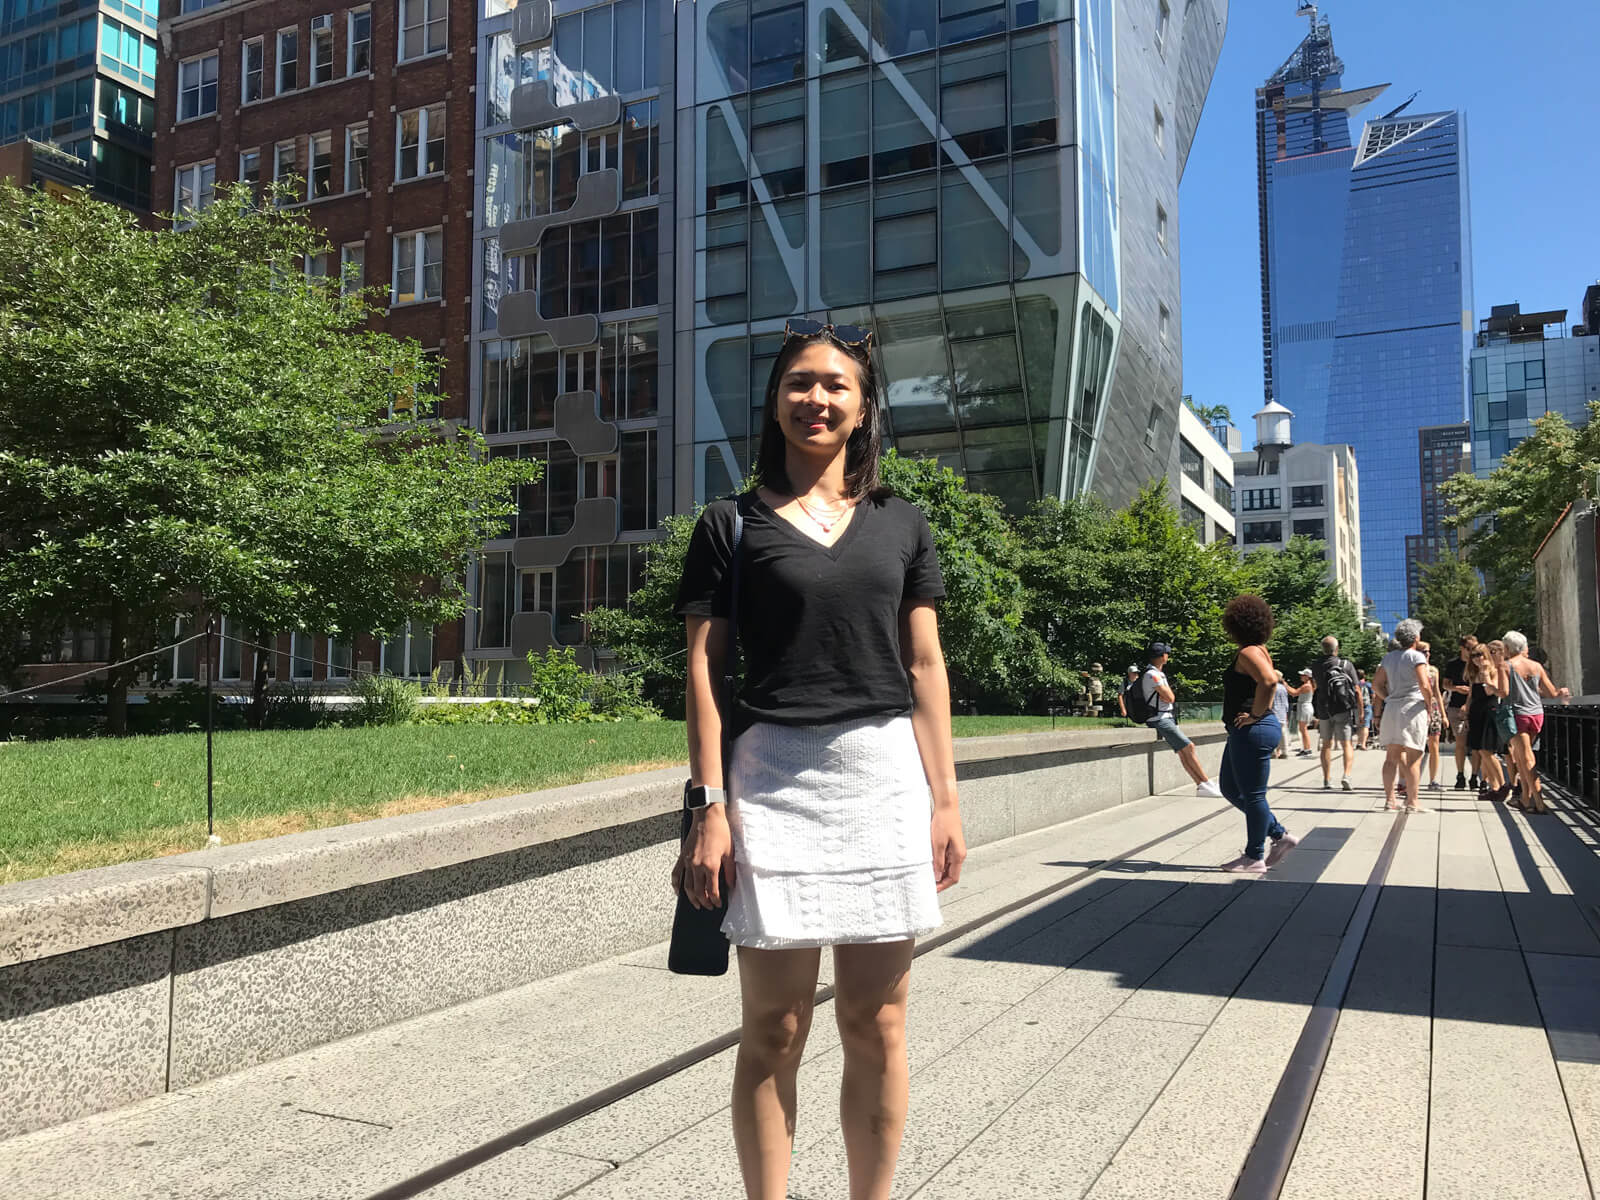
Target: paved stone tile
(1499,1123)
(1567,989)
(1058,1137)
(526,1173)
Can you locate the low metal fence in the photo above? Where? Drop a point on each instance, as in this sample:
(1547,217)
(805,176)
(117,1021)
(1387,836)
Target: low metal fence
(1569,748)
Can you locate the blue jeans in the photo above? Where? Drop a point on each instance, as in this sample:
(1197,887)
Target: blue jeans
(1246,762)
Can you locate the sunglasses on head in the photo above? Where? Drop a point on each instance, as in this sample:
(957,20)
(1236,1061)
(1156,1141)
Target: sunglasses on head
(1480,656)
(852,336)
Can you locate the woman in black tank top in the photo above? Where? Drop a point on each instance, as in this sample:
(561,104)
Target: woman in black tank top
(1253,734)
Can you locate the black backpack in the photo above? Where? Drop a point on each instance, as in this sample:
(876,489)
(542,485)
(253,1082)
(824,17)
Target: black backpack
(1140,707)
(1336,688)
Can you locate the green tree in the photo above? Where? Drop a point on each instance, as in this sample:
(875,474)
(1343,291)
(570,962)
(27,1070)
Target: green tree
(1504,518)
(1210,414)
(647,636)
(1287,578)
(189,423)
(1450,604)
(1298,632)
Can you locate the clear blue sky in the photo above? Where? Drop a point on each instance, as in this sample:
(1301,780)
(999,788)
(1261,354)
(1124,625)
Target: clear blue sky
(1525,74)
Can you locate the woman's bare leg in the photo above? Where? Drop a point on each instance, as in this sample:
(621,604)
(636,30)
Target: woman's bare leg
(777,988)
(1522,756)
(1412,765)
(871,984)
(1391,767)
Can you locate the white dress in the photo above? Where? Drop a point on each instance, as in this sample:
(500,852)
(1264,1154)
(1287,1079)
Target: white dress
(830,835)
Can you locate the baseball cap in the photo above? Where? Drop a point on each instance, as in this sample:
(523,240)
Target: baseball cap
(1305,670)
(1133,668)
(1157,649)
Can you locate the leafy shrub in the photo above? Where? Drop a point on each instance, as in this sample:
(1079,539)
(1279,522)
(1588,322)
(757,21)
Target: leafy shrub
(619,696)
(181,709)
(560,686)
(385,700)
(293,705)
(495,712)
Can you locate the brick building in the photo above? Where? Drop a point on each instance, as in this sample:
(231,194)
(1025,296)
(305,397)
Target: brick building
(370,108)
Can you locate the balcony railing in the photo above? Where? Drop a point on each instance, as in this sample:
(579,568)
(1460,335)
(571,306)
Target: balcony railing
(1569,749)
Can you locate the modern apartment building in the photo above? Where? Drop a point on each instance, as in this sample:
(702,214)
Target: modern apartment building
(1284,489)
(992,187)
(1366,282)
(1443,451)
(82,77)
(1525,365)
(1204,482)
(370,110)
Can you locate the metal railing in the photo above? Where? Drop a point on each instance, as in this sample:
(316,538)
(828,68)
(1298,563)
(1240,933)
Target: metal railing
(1569,748)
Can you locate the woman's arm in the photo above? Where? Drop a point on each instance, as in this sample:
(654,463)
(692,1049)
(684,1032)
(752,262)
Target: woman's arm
(930,720)
(707,857)
(1380,687)
(1548,687)
(1425,684)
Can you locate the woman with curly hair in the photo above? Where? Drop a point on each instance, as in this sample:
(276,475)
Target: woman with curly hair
(1253,732)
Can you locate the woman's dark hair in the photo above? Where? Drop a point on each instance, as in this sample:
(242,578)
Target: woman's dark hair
(866,441)
(1248,620)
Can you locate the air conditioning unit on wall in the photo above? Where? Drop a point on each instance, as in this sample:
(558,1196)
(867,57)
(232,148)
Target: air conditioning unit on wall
(325,22)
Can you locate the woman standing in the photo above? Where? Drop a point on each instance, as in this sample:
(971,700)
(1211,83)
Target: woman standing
(1484,676)
(839,732)
(1253,730)
(1304,715)
(1280,709)
(1403,690)
(1529,683)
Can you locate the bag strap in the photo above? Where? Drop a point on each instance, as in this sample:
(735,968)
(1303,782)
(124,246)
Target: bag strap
(731,650)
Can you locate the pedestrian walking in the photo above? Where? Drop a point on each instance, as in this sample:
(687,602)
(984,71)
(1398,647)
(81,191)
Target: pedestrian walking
(1253,730)
(1435,719)
(1458,695)
(1154,701)
(1484,677)
(1280,709)
(1304,711)
(1403,693)
(1339,709)
(1129,678)
(1530,685)
(1369,726)
(839,745)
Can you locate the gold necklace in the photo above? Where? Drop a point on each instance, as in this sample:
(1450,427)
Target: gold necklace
(825,525)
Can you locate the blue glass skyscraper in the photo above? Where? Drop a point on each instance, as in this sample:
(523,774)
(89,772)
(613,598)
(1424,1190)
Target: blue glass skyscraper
(1366,285)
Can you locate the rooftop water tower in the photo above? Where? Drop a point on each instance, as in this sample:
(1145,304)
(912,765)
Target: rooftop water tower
(1272,436)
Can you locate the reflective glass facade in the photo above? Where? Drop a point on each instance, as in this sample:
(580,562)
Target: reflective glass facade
(1514,383)
(84,80)
(1366,286)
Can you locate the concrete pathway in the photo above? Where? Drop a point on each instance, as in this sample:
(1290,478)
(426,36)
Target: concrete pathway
(1122,1037)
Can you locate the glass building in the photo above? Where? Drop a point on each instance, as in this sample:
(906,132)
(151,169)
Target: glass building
(1366,284)
(992,187)
(82,77)
(1525,365)
(1443,452)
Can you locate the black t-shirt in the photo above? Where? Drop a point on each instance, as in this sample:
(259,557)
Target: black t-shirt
(1455,674)
(819,626)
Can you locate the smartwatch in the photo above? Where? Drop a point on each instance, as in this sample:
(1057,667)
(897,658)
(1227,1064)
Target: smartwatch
(700,796)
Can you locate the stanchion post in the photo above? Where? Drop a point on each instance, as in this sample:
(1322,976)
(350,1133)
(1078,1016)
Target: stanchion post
(211,675)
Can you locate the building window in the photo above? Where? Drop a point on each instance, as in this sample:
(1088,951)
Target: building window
(597,478)
(1160,129)
(1163,22)
(340,656)
(418,266)
(1193,517)
(250,172)
(288,59)
(1260,499)
(1308,497)
(419,142)
(1191,462)
(318,266)
(194,188)
(321,49)
(641,150)
(352,267)
(321,179)
(358,41)
(599,152)
(1151,425)
(1315,530)
(251,71)
(1222,491)
(536,591)
(1164,323)
(283,165)
(1262,533)
(410,654)
(1161,226)
(197,87)
(355,158)
(422,28)
(302,653)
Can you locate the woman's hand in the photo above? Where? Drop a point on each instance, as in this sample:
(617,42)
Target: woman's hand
(1244,718)
(949,847)
(707,858)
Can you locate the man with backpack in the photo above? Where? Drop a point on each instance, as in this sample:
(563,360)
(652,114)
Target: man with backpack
(1338,705)
(1150,700)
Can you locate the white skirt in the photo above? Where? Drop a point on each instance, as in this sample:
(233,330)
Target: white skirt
(1405,723)
(830,836)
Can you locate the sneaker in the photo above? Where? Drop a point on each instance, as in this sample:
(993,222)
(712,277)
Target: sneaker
(1476,784)
(1461,782)
(1435,786)
(1244,865)
(1208,789)
(1302,754)
(1281,848)
(1345,784)
(1326,786)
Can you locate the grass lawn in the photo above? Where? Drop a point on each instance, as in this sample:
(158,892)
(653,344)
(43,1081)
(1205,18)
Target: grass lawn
(68,805)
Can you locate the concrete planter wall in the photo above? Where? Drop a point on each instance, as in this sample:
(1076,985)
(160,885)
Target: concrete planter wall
(126,982)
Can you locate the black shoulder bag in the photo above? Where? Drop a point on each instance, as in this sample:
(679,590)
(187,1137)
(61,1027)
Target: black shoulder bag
(698,946)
